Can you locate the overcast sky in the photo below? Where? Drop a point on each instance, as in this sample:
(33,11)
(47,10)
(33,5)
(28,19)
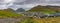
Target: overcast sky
(26,4)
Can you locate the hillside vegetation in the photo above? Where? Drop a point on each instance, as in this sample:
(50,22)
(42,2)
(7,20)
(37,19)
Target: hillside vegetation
(40,20)
(8,13)
(20,10)
(45,9)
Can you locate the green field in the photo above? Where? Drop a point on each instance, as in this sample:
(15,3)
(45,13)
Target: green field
(41,20)
(9,14)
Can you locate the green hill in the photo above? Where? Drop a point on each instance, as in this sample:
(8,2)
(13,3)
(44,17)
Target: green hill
(9,13)
(20,10)
(45,9)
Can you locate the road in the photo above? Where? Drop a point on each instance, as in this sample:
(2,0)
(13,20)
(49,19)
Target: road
(9,20)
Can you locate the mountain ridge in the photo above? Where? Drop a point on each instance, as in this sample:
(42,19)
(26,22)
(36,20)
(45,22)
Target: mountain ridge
(40,8)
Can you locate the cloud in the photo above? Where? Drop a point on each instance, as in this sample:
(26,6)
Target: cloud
(26,4)
(14,4)
(50,1)
(3,7)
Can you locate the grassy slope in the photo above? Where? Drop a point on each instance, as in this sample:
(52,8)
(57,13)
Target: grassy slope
(9,14)
(27,20)
(48,20)
(45,9)
(41,20)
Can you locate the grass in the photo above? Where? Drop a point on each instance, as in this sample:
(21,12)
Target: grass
(27,20)
(45,9)
(41,20)
(48,20)
(8,14)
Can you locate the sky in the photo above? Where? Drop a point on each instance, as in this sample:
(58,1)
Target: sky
(26,4)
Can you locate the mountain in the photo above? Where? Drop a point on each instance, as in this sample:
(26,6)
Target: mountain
(8,10)
(46,9)
(20,10)
(9,13)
